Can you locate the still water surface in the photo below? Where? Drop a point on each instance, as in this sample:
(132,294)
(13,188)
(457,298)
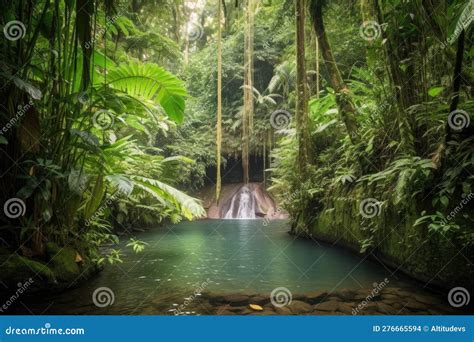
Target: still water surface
(219,255)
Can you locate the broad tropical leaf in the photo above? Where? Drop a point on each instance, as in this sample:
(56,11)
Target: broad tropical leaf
(190,207)
(151,82)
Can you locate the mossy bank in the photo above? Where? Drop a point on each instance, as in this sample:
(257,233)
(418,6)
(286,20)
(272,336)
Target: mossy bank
(435,259)
(59,268)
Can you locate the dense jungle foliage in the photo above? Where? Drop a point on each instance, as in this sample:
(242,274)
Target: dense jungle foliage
(109,108)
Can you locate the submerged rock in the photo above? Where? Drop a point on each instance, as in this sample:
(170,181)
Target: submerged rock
(320,302)
(298,306)
(330,305)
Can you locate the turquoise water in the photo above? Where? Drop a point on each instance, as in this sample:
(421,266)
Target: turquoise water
(224,256)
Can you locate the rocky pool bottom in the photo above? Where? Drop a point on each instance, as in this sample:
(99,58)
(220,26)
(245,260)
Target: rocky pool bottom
(365,301)
(387,301)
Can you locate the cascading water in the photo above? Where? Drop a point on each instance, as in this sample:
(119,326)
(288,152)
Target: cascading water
(242,201)
(242,205)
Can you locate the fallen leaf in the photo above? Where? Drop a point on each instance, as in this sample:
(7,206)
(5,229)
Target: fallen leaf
(255,307)
(78,258)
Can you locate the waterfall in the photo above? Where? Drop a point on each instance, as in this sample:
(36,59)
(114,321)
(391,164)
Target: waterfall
(244,201)
(243,205)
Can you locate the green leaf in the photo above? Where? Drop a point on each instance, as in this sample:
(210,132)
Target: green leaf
(3,140)
(96,197)
(189,206)
(150,81)
(444,200)
(27,87)
(435,91)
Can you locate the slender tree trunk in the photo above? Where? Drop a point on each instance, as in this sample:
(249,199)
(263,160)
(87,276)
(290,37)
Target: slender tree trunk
(302,100)
(219,103)
(264,158)
(186,42)
(457,72)
(83,30)
(456,80)
(317,66)
(347,109)
(248,88)
(438,156)
(401,88)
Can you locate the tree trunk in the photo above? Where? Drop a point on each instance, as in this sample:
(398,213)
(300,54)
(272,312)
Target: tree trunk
(248,87)
(302,100)
(456,80)
(317,66)
(438,156)
(402,88)
(219,103)
(347,109)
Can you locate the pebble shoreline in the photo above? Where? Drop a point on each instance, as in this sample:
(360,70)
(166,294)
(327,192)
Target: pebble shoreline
(389,301)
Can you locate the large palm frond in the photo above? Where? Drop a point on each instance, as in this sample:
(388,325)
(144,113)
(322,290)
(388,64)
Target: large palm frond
(151,82)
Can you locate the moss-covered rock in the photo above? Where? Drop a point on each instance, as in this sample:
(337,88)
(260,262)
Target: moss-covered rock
(59,268)
(62,260)
(17,269)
